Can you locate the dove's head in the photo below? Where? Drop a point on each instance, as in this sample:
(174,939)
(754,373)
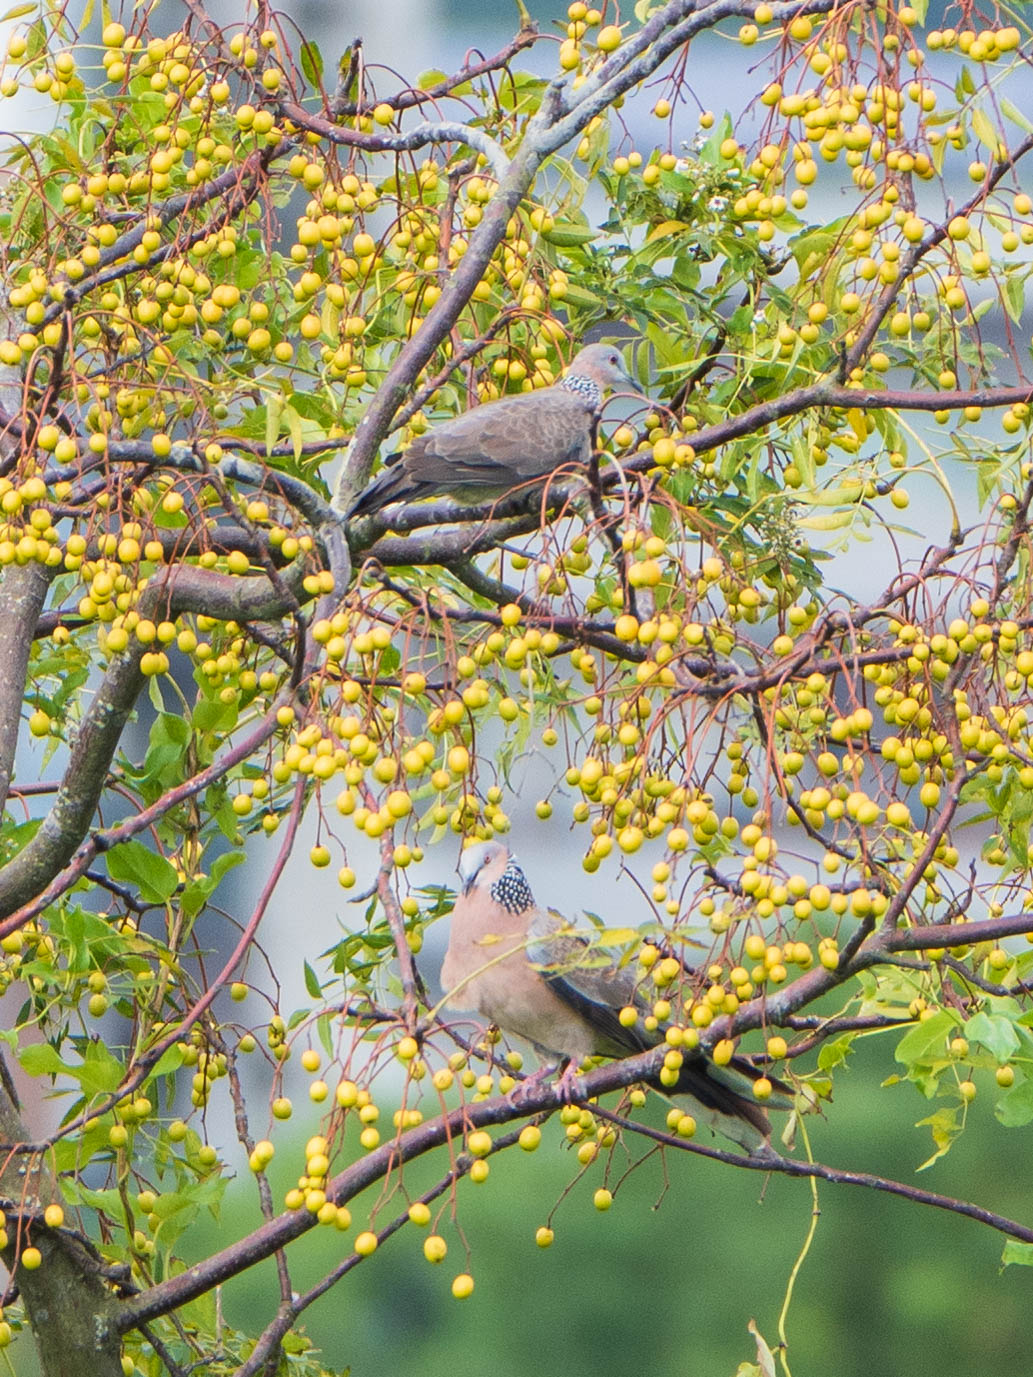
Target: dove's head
(603,365)
(491,867)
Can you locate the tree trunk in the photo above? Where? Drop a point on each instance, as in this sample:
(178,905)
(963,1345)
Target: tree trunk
(70,1306)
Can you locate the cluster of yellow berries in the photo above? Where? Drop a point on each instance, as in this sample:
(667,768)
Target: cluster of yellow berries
(868,124)
(435,1249)
(310,1192)
(340,260)
(580,48)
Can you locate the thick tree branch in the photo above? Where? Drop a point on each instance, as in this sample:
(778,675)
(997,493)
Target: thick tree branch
(31,872)
(80,857)
(542,1099)
(23,591)
(497,524)
(71,1307)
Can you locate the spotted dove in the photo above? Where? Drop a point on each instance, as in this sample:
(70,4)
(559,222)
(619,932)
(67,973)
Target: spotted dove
(534,975)
(503,444)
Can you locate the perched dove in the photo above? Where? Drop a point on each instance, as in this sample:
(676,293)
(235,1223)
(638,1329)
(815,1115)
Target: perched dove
(527,970)
(498,446)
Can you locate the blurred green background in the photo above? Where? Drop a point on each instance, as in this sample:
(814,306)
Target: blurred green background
(689,1253)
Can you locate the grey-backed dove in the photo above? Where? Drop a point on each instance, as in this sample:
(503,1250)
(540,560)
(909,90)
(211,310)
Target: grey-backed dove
(503,444)
(531,973)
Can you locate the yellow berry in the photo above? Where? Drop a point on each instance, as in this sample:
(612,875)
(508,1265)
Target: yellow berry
(723,1051)
(39,723)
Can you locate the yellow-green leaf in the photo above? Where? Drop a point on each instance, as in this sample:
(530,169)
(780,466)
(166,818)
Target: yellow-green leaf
(273,412)
(565,234)
(295,430)
(984,130)
(666,228)
(828,521)
(845,495)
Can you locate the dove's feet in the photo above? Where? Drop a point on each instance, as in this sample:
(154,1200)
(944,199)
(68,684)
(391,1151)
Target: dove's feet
(569,1084)
(524,1089)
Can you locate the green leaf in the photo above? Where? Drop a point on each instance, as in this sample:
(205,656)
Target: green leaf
(138,865)
(326,1029)
(169,739)
(1015,1107)
(154,693)
(40,1059)
(75,935)
(211,714)
(1013,296)
(296,431)
(945,1127)
(1016,116)
(312,982)
(170,1061)
(926,1039)
(578,296)
(835,1052)
(566,234)
(222,865)
(813,246)
(108,1200)
(197,893)
(984,130)
(273,412)
(19,836)
(1019,1253)
(311,62)
(100,1072)
(194,897)
(995,1032)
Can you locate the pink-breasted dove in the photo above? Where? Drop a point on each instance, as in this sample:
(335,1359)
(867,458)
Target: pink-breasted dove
(504,444)
(528,971)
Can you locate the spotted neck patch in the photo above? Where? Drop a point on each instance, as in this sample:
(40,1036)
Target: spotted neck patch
(511,890)
(584,389)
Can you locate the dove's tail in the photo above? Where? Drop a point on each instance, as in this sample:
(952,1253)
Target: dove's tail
(392,484)
(725,1093)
